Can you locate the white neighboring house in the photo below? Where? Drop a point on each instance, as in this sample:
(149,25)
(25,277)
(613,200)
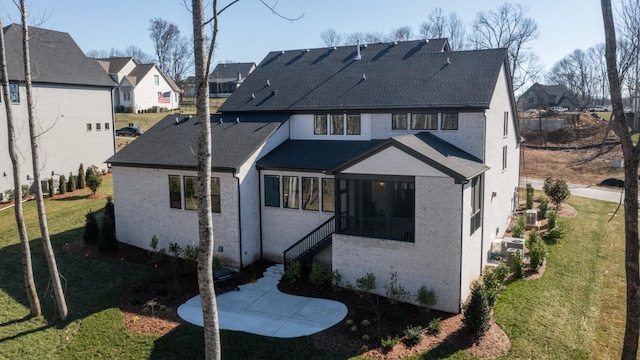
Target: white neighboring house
(388,158)
(141,87)
(73,106)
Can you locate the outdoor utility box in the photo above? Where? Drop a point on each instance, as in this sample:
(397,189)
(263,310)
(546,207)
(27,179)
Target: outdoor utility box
(511,243)
(511,254)
(531,217)
(496,249)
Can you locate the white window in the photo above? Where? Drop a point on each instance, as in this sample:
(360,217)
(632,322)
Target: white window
(504,158)
(156,80)
(126,95)
(505,131)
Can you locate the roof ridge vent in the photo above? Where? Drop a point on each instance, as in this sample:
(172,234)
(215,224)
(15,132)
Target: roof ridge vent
(448,61)
(358,56)
(221,120)
(268,83)
(237,120)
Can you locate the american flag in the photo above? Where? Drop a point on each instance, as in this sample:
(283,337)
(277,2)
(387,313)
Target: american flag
(165,97)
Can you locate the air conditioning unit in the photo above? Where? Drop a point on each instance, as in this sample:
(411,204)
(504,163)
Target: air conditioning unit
(511,253)
(511,243)
(496,249)
(531,217)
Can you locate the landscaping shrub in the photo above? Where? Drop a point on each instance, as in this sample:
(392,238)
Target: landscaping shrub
(552,220)
(493,280)
(477,312)
(529,196)
(318,274)
(426,298)
(518,229)
(388,343)
(71,184)
(107,241)
(191,254)
(435,326)
(155,255)
(366,283)
(11,194)
(537,254)
(395,292)
(413,335)
(82,182)
(25,190)
(52,191)
(517,265)
(294,270)
(336,279)
(543,207)
(91,229)
(557,190)
(552,236)
(93,178)
(62,186)
(533,238)
(109,210)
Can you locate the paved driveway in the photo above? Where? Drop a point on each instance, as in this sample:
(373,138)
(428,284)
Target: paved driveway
(260,308)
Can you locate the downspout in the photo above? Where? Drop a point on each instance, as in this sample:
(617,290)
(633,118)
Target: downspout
(484,160)
(113,119)
(235,175)
(260,210)
(461,244)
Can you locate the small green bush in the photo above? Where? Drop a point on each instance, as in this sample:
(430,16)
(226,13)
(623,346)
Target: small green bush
(426,298)
(529,196)
(94,178)
(388,343)
(435,326)
(493,280)
(71,184)
(366,283)
(557,190)
(82,182)
(62,186)
(543,208)
(155,255)
(518,229)
(107,241)
(11,194)
(336,279)
(366,337)
(533,239)
(175,249)
(413,335)
(25,190)
(552,220)
(552,236)
(537,254)
(477,312)
(52,191)
(517,265)
(109,210)
(191,254)
(318,275)
(91,229)
(395,292)
(294,270)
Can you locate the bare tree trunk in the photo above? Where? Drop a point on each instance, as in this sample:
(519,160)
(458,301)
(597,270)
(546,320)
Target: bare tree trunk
(35,157)
(631,160)
(205,220)
(27,267)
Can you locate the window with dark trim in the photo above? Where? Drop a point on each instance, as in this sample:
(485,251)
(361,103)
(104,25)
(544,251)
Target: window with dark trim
(156,80)
(98,126)
(320,124)
(328,193)
(88,126)
(175,192)
(310,193)
(399,122)
(449,121)
(353,124)
(215,195)
(272,190)
(476,203)
(427,121)
(504,157)
(190,193)
(14,92)
(106,126)
(337,124)
(505,131)
(126,95)
(290,192)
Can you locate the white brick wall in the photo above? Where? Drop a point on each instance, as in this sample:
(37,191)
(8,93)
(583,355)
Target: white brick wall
(433,260)
(141,199)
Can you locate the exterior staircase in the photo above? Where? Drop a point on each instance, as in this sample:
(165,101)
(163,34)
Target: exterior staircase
(310,245)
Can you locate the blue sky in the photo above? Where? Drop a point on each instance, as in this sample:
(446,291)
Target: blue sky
(248,30)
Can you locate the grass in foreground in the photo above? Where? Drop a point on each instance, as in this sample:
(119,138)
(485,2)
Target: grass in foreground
(565,314)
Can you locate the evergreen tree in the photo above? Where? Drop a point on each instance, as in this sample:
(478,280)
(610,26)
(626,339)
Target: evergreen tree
(477,313)
(71,184)
(62,187)
(52,191)
(94,178)
(82,183)
(107,241)
(91,230)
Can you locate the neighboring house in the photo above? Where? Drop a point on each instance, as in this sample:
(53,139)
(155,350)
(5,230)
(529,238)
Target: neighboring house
(141,87)
(223,80)
(73,107)
(388,158)
(540,96)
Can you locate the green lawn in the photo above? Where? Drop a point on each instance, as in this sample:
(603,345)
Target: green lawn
(575,311)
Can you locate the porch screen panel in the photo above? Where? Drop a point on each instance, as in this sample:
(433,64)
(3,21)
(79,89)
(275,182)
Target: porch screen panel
(310,193)
(320,124)
(290,192)
(337,124)
(328,194)
(271,190)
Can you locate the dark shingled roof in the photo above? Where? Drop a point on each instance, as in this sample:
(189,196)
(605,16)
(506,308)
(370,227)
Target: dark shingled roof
(403,75)
(229,71)
(314,155)
(115,64)
(171,144)
(431,150)
(55,58)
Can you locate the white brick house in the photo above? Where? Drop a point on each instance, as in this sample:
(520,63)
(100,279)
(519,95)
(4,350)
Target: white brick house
(73,106)
(391,158)
(140,86)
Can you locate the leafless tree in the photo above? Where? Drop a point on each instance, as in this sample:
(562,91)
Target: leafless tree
(403,33)
(170,48)
(577,71)
(137,53)
(631,160)
(27,267)
(364,38)
(439,25)
(35,157)
(509,27)
(181,59)
(330,37)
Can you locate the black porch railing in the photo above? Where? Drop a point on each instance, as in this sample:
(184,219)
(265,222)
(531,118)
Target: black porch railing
(311,244)
(399,229)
